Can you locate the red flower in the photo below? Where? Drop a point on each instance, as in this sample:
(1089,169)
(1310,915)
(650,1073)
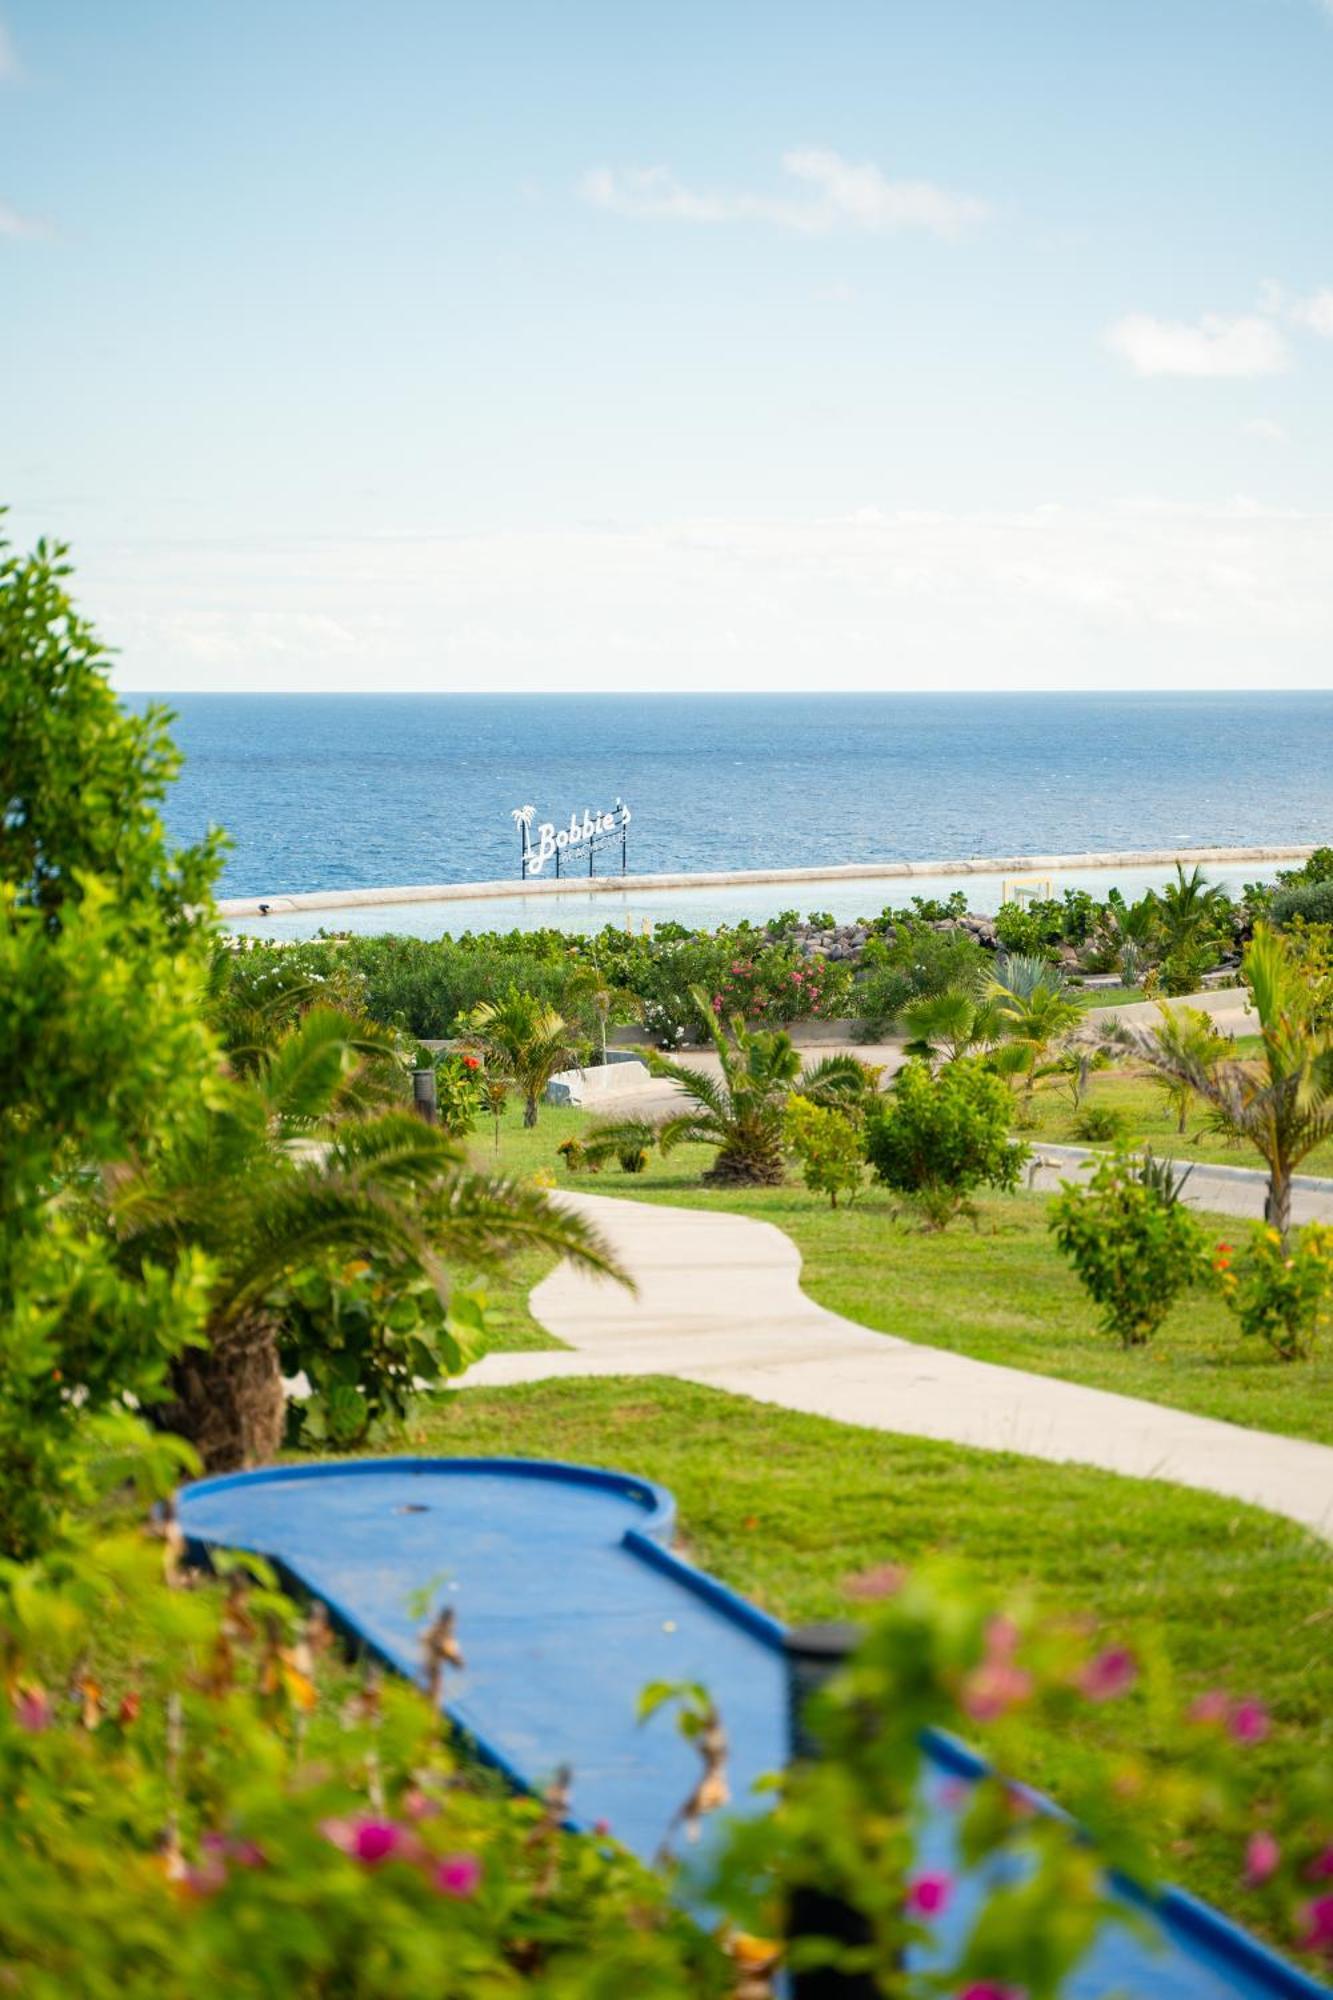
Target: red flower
(1249,1722)
(471,1062)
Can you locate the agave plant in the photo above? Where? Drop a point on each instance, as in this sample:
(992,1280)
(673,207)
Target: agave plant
(524,1040)
(1283,1103)
(300,1165)
(741,1111)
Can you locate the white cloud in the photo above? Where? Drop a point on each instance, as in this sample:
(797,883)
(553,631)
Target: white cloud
(1212,348)
(1316,312)
(842,195)
(1264,427)
(1143,594)
(15,225)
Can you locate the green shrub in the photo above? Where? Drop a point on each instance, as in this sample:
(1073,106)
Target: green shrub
(916,962)
(1319,868)
(1133,1245)
(829,1146)
(1100,1123)
(1030,929)
(1280,1292)
(1312,902)
(940,1135)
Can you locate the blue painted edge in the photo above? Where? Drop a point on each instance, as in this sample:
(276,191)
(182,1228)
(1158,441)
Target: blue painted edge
(1183,1915)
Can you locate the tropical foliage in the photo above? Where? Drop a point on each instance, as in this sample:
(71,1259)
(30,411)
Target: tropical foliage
(524,1041)
(940,1135)
(1133,1244)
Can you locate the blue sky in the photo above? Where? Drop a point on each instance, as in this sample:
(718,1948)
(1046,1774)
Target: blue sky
(905,344)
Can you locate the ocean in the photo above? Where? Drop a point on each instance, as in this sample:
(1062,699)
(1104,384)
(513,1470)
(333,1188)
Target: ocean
(330,791)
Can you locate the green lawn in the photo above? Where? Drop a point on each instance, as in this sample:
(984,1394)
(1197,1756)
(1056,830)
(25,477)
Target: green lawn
(1001,1293)
(786,1507)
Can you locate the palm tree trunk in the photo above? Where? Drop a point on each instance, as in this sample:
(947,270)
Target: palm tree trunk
(530,1109)
(1277,1204)
(228,1397)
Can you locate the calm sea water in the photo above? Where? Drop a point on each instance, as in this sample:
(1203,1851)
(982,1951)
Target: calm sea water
(357,791)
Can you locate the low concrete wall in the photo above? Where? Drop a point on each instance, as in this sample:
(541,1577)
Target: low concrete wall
(620,1076)
(847,871)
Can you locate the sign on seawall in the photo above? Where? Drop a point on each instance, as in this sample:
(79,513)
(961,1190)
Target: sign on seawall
(566,843)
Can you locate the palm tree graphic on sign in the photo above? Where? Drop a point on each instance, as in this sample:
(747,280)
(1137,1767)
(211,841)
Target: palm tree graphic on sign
(523,817)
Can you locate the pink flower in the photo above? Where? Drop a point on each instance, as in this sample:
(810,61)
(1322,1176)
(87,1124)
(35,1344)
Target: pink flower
(1112,1673)
(1249,1722)
(1002,1637)
(883,1580)
(1262,1856)
(32,1710)
(1211,1707)
(1322,1866)
(1318,1932)
(375,1840)
(989,1989)
(601,1827)
(993,1688)
(928,1895)
(458,1875)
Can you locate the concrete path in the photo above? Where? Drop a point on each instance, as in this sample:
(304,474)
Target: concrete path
(1238,1191)
(719,1303)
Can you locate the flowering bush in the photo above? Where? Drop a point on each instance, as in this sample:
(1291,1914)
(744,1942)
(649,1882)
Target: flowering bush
(458,1093)
(1132,1244)
(201,1799)
(843,1846)
(1283,1292)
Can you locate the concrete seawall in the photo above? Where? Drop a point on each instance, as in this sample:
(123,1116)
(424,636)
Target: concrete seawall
(851,871)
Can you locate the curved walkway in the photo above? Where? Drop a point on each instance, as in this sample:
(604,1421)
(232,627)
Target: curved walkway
(719,1303)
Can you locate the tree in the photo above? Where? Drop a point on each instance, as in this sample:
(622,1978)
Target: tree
(1189,1043)
(591,994)
(1036,1015)
(829,1145)
(1282,1104)
(524,1040)
(1188,911)
(1132,1242)
(741,1110)
(940,1135)
(952,1024)
(239,1189)
(104,1055)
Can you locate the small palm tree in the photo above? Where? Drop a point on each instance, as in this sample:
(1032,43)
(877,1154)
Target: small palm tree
(524,1040)
(741,1111)
(1188,1044)
(1282,1104)
(293,1166)
(1187,908)
(1036,1016)
(591,995)
(951,1024)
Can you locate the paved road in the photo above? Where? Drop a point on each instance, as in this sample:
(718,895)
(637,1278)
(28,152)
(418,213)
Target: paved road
(719,1303)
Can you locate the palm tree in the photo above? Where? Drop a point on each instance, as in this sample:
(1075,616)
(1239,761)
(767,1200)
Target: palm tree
(741,1111)
(954,1023)
(1036,1016)
(1283,1104)
(524,1040)
(1188,1044)
(590,993)
(298,1165)
(1186,908)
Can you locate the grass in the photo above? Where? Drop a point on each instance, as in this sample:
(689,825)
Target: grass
(1001,1293)
(786,1507)
(511,1327)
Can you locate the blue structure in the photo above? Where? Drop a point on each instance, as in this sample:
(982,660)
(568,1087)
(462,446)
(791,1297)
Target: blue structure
(569,1601)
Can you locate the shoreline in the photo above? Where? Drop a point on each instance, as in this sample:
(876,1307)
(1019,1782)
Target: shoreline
(848,871)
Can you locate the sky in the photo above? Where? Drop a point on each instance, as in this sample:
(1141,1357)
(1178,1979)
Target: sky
(731,344)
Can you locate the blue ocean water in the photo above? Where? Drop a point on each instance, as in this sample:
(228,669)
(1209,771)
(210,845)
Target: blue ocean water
(343,791)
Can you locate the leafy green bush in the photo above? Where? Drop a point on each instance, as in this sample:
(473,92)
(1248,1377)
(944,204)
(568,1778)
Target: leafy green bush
(370,1339)
(940,1135)
(1310,901)
(1318,868)
(1133,1245)
(1030,929)
(916,962)
(1098,1123)
(1282,1293)
(829,1145)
